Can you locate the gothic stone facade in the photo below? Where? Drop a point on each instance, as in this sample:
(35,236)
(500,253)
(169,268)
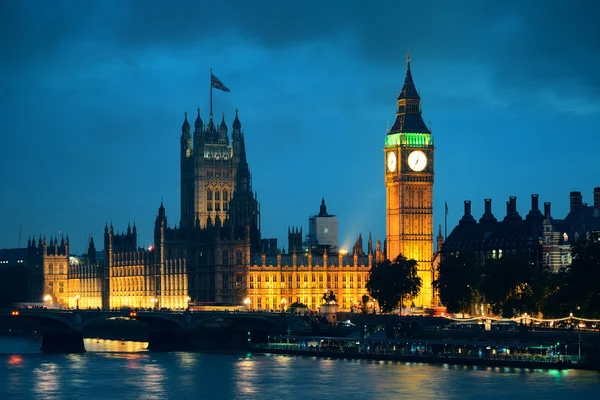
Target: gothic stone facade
(408,175)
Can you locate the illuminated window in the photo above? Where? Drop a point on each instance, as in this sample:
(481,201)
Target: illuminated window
(217,195)
(209,195)
(51,269)
(500,253)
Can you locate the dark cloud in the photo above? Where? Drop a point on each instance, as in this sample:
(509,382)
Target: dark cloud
(93,94)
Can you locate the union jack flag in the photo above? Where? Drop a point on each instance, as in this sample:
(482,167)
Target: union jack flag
(217,84)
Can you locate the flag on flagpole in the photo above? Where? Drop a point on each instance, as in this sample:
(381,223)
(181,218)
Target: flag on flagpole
(217,84)
(446,207)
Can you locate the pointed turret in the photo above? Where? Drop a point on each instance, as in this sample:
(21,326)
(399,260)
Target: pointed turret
(211,131)
(440,239)
(323,209)
(370,244)
(237,125)
(185,127)
(198,125)
(408,113)
(92,251)
(409,91)
(223,138)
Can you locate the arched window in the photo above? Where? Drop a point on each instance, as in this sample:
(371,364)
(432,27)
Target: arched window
(51,269)
(225,257)
(209,195)
(238,257)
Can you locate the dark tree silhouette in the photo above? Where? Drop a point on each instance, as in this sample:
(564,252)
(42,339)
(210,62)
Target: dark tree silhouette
(389,282)
(458,281)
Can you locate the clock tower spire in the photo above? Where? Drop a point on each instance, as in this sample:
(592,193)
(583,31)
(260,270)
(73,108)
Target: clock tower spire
(408,175)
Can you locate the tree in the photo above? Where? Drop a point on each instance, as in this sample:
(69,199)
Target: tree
(581,279)
(511,284)
(458,281)
(389,282)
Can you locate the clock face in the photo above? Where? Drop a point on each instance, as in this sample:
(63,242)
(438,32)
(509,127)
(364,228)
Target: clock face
(391,161)
(417,161)
(325,230)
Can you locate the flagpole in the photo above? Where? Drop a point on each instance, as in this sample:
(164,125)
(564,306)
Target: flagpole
(446,221)
(211,92)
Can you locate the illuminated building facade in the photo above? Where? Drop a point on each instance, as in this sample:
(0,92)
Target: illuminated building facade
(278,282)
(409,172)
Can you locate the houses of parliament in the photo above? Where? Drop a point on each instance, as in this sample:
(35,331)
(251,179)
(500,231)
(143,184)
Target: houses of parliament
(215,253)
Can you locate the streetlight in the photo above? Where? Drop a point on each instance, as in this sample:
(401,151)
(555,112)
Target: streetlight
(77,301)
(47,300)
(283,303)
(154,301)
(247,303)
(187,302)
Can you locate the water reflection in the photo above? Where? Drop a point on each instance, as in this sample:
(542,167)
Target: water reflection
(46,381)
(113,373)
(120,346)
(15,360)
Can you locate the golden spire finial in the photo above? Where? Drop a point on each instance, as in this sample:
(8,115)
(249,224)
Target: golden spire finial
(408,56)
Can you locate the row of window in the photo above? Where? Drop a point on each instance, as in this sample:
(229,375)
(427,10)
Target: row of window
(304,277)
(218,174)
(216,195)
(335,285)
(61,287)
(60,270)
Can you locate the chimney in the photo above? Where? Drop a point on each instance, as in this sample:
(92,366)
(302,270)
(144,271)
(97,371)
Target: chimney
(512,201)
(535,202)
(597,197)
(535,214)
(511,209)
(547,212)
(487,214)
(467,218)
(575,200)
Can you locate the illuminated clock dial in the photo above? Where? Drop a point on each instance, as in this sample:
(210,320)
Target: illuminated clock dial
(325,230)
(391,161)
(417,160)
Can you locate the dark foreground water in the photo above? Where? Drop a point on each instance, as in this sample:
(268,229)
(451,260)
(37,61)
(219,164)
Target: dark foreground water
(125,370)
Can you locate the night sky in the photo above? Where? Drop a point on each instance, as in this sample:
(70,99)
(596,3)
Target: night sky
(93,93)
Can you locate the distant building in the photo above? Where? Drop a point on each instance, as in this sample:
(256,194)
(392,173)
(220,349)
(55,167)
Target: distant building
(546,240)
(323,230)
(491,238)
(560,234)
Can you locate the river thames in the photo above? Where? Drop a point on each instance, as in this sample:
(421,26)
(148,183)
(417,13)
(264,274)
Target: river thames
(125,370)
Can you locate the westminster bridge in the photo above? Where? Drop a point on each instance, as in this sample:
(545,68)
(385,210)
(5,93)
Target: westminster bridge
(62,329)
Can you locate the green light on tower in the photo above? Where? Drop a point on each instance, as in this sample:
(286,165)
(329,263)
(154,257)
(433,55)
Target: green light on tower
(409,140)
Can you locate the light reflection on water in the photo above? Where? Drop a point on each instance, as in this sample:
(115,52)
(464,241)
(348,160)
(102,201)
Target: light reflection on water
(117,370)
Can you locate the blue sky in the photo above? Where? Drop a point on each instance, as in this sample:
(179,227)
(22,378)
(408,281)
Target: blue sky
(93,93)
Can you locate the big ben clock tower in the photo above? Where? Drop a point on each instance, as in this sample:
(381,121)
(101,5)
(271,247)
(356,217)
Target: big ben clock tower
(408,163)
